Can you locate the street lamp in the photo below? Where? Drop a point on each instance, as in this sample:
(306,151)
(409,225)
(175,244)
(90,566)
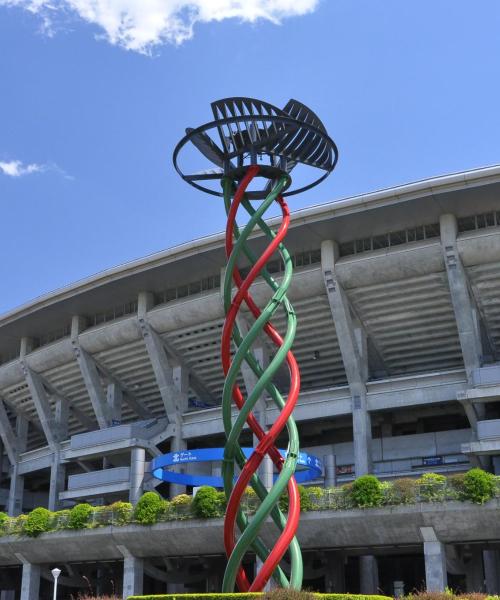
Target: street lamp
(55,574)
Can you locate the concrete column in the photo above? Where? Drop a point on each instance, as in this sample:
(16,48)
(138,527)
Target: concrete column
(137,467)
(213,582)
(436,576)
(30,583)
(335,573)
(353,347)
(16,492)
(491,560)
(133,576)
(368,575)
(474,572)
(62,417)
(362,435)
(463,306)
(1,462)
(57,481)
(330,464)
(114,397)
(133,573)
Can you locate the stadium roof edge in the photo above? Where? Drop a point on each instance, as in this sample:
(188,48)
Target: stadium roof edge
(371,200)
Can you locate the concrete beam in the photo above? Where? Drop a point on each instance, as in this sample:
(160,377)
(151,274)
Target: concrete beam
(58,395)
(90,376)
(128,396)
(352,344)
(162,356)
(7,434)
(42,405)
(436,576)
(463,306)
(160,362)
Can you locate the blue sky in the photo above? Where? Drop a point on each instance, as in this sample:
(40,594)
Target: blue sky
(408,89)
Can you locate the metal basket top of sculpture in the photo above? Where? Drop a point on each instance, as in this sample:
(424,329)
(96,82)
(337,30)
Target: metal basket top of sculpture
(255,132)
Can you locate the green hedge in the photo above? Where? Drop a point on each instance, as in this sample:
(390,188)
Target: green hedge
(252,596)
(366,492)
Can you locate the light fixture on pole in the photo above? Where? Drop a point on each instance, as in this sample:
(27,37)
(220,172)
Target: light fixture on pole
(55,574)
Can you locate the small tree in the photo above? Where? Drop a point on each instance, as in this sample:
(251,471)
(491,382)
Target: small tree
(305,501)
(432,487)
(79,516)
(37,522)
(122,512)
(366,492)
(148,508)
(478,486)
(206,503)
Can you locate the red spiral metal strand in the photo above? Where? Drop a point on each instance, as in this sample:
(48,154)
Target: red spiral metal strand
(266,440)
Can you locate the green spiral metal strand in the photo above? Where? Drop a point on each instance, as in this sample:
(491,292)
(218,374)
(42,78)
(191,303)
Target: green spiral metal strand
(234,458)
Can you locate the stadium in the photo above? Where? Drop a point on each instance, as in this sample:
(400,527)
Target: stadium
(397,294)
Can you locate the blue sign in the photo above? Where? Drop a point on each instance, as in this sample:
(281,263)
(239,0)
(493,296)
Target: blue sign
(311,466)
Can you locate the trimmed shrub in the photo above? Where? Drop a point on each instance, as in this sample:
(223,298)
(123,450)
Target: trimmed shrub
(478,486)
(181,500)
(18,524)
(432,487)
(221,497)
(403,491)
(455,485)
(38,521)
(148,508)
(206,503)
(60,519)
(305,500)
(366,492)
(316,495)
(4,523)
(79,516)
(122,512)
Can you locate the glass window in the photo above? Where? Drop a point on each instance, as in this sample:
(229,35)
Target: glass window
(170,294)
(466,223)
(380,241)
(315,256)
(195,287)
(346,249)
(182,291)
(432,231)
(397,237)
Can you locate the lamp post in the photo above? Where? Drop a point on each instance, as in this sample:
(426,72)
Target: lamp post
(55,574)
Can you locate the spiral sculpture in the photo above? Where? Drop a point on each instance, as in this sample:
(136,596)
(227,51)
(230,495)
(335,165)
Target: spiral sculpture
(259,141)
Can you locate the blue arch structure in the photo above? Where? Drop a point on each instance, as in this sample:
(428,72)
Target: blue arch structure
(311,466)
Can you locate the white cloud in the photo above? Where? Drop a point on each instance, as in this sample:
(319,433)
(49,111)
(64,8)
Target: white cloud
(142,24)
(15,168)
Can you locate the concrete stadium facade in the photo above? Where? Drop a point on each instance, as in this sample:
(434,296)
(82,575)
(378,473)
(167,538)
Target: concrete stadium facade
(398,300)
